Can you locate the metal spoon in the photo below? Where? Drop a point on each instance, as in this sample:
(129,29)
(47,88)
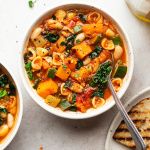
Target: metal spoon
(139,142)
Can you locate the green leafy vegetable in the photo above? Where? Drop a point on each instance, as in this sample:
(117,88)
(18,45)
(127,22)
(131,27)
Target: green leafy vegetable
(99,92)
(71,38)
(12,89)
(63,43)
(54,17)
(3,110)
(74,98)
(51,37)
(78,41)
(64,66)
(96,52)
(79,64)
(73,108)
(100,79)
(36,83)
(77,28)
(64,104)
(51,73)
(116,40)
(3,80)
(83,18)
(3,93)
(68,83)
(3,113)
(120,71)
(28,68)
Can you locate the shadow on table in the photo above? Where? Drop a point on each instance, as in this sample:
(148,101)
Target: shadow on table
(87,124)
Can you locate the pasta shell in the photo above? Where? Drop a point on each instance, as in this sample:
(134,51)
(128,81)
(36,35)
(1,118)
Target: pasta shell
(37,63)
(117,83)
(58,59)
(94,17)
(107,44)
(97,102)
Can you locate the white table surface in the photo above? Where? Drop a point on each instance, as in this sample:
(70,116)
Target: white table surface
(38,127)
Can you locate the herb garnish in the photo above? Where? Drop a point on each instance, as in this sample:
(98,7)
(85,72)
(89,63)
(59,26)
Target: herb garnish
(31,3)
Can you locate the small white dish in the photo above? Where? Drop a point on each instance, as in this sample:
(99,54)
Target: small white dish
(110,143)
(110,102)
(9,137)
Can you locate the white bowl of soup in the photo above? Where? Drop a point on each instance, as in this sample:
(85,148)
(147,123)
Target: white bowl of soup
(66,58)
(11,107)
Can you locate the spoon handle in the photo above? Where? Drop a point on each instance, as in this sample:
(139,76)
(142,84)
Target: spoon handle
(140,145)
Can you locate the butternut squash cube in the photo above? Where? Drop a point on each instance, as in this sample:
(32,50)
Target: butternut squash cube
(47,87)
(93,28)
(60,47)
(82,50)
(80,75)
(63,72)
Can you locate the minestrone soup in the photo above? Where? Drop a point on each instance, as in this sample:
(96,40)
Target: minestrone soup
(69,56)
(8,105)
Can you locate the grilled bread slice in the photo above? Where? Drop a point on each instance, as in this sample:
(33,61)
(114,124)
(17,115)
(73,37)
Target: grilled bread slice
(140,115)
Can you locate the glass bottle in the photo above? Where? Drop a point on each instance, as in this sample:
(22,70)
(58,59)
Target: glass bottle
(140,8)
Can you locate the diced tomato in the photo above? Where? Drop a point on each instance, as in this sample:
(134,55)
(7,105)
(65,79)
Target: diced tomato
(71,24)
(83,100)
(76,18)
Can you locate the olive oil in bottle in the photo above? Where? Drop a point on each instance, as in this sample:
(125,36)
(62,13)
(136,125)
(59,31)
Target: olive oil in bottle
(140,8)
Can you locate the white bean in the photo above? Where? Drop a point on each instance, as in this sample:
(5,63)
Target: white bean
(118,52)
(41,51)
(10,120)
(3,130)
(36,33)
(79,38)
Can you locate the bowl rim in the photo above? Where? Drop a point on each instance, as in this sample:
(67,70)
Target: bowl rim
(37,98)
(14,131)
